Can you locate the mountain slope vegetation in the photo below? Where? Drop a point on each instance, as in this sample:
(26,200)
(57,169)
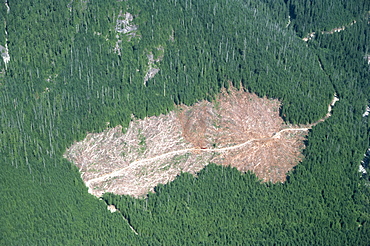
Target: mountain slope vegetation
(66,78)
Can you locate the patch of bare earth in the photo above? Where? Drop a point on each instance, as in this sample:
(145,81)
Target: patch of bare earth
(238,117)
(238,129)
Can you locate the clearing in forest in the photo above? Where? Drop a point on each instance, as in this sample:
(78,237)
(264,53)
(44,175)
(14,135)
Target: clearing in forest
(237,129)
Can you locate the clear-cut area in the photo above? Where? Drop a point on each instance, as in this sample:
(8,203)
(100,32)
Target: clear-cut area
(237,129)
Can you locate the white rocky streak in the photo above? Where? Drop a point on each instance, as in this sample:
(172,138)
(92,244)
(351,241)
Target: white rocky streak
(5,53)
(4,50)
(331,105)
(112,208)
(7,7)
(367,58)
(361,169)
(367,112)
(288,22)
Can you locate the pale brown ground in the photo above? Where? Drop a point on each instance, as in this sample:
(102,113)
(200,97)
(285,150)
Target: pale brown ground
(237,117)
(238,129)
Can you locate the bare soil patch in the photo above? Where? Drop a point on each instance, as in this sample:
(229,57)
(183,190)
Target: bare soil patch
(237,129)
(237,117)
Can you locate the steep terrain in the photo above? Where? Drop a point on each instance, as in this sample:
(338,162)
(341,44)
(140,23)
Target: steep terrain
(237,129)
(76,65)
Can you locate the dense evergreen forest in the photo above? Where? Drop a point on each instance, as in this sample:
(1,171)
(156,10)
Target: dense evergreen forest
(72,71)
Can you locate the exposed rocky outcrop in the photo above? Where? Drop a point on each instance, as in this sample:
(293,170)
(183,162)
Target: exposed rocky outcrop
(152,68)
(124,26)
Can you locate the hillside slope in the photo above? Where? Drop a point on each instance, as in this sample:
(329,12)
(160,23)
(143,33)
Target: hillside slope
(76,65)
